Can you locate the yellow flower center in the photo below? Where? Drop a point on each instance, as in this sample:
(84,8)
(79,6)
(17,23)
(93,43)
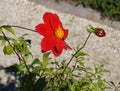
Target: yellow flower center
(59,33)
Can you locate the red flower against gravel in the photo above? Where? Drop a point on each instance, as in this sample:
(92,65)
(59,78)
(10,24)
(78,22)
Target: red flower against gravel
(54,34)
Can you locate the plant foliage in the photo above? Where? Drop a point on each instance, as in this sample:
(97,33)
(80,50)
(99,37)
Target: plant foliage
(47,75)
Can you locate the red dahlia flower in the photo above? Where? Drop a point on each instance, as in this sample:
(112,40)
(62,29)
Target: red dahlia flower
(54,34)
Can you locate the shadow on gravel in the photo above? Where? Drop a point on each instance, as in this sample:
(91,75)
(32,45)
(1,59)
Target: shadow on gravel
(11,83)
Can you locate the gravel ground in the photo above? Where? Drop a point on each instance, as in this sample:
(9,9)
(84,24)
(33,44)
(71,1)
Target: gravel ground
(101,50)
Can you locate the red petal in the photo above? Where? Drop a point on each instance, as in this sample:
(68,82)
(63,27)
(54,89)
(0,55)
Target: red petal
(47,18)
(48,43)
(66,46)
(57,50)
(60,45)
(44,30)
(56,21)
(52,20)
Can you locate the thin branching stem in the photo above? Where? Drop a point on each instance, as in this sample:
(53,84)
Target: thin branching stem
(19,27)
(23,60)
(74,66)
(76,52)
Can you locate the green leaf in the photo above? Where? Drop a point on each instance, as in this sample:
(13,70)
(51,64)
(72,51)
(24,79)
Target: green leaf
(81,63)
(76,48)
(71,87)
(68,72)
(0,30)
(21,67)
(100,83)
(49,72)
(3,42)
(23,46)
(81,53)
(25,34)
(2,38)
(9,29)
(46,59)
(35,61)
(85,84)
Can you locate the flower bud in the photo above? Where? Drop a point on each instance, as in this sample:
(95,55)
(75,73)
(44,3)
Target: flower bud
(100,32)
(8,50)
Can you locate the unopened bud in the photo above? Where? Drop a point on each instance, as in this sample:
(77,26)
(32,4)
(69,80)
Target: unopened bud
(100,32)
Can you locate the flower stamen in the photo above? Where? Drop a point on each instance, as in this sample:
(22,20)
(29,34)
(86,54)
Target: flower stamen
(59,33)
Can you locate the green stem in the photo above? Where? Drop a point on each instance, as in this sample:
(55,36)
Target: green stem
(19,27)
(23,60)
(77,52)
(87,73)
(74,66)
